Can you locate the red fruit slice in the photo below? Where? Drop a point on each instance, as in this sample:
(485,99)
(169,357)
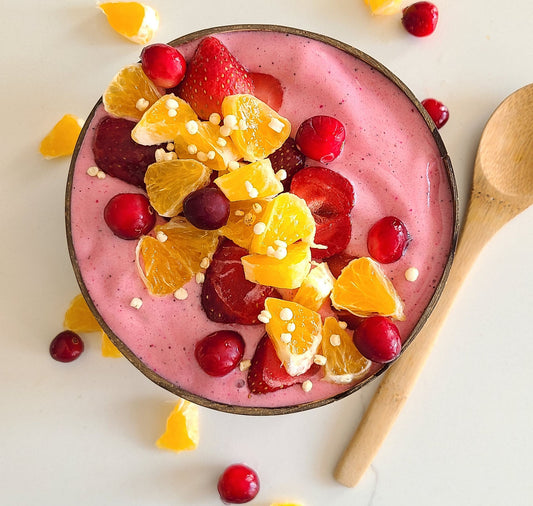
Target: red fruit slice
(331,231)
(118,155)
(227,296)
(420,19)
(212,74)
(338,262)
(289,158)
(321,138)
(268,89)
(437,110)
(267,374)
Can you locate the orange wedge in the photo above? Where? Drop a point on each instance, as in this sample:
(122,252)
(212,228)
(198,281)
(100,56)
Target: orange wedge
(109,350)
(182,428)
(135,21)
(61,140)
(79,317)
(242,217)
(315,288)
(384,7)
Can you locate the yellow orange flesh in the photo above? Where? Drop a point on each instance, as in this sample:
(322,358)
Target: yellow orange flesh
(242,217)
(315,288)
(135,21)
(384,7)
(109,350)
(79,317)
(61,140)
(182,428)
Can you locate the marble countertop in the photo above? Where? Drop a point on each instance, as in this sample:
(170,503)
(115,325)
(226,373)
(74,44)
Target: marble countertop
(83,433)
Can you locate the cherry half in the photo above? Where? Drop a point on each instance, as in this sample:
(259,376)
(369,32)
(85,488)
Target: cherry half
(437,110)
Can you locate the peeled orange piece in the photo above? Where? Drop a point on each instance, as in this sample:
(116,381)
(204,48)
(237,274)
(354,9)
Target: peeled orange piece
(315,288)
(287,272)
(127,88)
(242,217)
(166,266)
(182,429)
(109,350)
(344,363)
(135,21)
(169,182)
(79,317)
(61,140)
(264,129)
(384,7)
(364,289)
(295,332)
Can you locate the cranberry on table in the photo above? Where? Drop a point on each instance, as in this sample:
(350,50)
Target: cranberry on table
(387,240)
(321,138)
(66,346)
(163,64)
(129,215)
(207,208)
(437,110)
(420,19)
(378,339)
(220,352)
(238,484)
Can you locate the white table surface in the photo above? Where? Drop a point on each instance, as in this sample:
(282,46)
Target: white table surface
(83,433)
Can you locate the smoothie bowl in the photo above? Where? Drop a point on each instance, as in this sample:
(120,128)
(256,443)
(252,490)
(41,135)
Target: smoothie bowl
(279,275)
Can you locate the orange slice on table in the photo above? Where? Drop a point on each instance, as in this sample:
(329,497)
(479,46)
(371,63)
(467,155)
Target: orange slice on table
(61,140)
(364,289)
(242,217)
(109,350)
(79,318)
(384,7)
(315,288)
(182,428)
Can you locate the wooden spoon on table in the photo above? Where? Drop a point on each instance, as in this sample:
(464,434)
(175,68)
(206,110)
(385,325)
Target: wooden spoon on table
(502,188)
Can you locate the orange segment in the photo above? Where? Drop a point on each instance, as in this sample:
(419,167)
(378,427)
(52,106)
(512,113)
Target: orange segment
(295,332)
(264,129)
(251,181)
(135,21)
(109,350)
(315,288)
(61,140)
(384,7)
(242,217)
(166,266)
(344,363)
(182,428)
(364,289)
(79,317)
(127,88)
(169,182)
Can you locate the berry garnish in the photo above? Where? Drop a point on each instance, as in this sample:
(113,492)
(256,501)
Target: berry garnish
(118,155)
(289,158)
(238,484)
(321,138)
(387,240)
(267,89)
(129,215)
(66,346)
(225,288)
(437,110)
(338,262)
(220,352)
(212,74)
(378,339)
(206,208)
(163,64)
(420,19)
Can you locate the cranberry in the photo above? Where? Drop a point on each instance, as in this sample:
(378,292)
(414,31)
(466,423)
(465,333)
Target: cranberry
(206,208)
(238,484)
(420,19)
(163,64)
(220,352)
(66,346)
(321,138)
(378,339)
(129,215)
(387,240)
(437,110)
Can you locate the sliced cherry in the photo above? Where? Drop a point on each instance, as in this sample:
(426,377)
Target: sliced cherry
(66,346)
(378,339)
(420,19)
(267,89)
(289,158)
(163,64)
(238,484)
(321,138)
(207,208)
(220,352)
(387,240)
(437,110)
(129,215)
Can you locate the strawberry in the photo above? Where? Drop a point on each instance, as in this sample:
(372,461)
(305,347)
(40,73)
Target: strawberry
(118,155)
(338,262)
(289,158)
(227,296)
(267,374)
(268,89)
(212,74)
(333,231)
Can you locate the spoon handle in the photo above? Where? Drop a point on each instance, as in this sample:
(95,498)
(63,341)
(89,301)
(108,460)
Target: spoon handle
(482,221)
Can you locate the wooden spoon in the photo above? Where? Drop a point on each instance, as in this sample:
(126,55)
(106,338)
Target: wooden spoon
(502,188)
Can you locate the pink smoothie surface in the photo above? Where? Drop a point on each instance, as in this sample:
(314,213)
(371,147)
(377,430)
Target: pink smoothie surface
(391,158)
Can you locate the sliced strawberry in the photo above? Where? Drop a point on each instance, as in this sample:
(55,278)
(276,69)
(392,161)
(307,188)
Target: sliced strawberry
(289,158)
(117,154)
(338,262)
(267,374)
(268,89)
(228,297)
(333,231)
(212,74)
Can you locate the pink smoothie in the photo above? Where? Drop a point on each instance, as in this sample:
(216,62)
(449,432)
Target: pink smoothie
(390,156)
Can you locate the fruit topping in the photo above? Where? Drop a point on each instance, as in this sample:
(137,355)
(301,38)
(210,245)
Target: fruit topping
(182,428)
(220,352)
(288,158)
(163,64)
(108,349)
(61,140)
(321,138)
(212,74)
(227,296)
(338,262)
(238,484)
(315,288)
(420,19)
(268,89)
(437,110)
(117,154)
(206,208)
(66,346)
(79,317)
(129,215)
(387,240)
(378,339)
(242,218)
(344,363)
(384,7)
(364,289)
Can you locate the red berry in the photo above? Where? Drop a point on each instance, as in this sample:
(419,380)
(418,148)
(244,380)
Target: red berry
(420,19)
(220,352)
(387,240)
(238,484)
(163,64)
(129,215)
(267,89)
(206,208)
(378,339)
(66,346)
(289,158)
(321,138)
(437,110)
